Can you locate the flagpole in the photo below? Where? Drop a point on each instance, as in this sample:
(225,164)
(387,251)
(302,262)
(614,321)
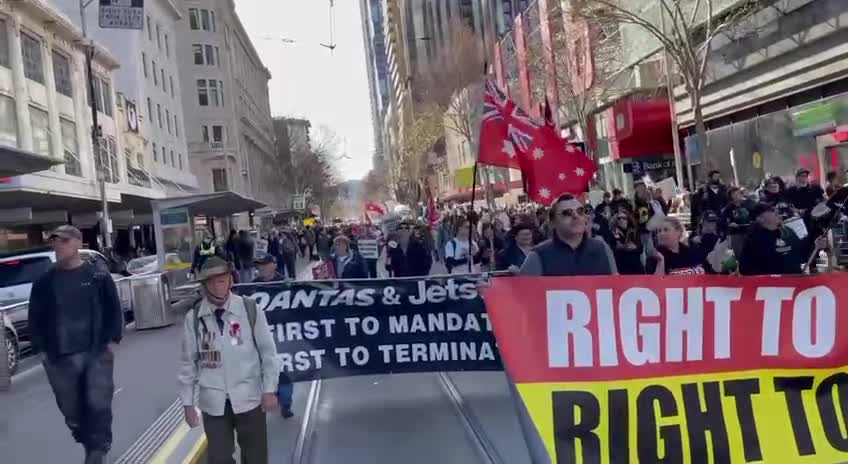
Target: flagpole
(471,216)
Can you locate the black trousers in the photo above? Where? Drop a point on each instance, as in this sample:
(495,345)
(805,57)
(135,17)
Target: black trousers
(252,434)
(289,260)
(372,268)
(84,386)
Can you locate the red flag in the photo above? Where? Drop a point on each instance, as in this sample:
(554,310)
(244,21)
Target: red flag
(495,146)
(374,208)
(552,167)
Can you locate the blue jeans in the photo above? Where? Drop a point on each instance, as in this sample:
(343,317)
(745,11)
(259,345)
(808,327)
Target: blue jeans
(285,392)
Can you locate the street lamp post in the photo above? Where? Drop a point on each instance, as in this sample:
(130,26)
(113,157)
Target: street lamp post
(95,128)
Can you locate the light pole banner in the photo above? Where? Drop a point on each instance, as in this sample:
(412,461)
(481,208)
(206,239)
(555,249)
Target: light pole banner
(679,369)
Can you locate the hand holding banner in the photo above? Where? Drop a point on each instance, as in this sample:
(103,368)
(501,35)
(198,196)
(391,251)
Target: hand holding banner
(683,369)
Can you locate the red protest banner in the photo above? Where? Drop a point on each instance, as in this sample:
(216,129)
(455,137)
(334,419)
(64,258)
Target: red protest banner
(758,362)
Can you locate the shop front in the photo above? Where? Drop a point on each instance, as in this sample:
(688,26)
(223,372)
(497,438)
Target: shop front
(812,136)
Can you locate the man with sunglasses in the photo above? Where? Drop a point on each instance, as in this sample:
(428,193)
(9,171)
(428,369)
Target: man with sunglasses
(75,319)
(570,251)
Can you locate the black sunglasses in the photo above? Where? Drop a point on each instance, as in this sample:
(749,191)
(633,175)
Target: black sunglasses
(568,212)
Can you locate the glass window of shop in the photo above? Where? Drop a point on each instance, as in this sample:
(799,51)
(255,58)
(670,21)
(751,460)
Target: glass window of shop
(761,147)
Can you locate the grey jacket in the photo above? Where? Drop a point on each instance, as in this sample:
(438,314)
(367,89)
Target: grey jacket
(553,257)
(243,375)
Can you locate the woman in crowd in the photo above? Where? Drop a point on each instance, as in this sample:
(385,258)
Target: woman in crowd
(348,264)
(460,249)
(626,244)
(490,246)
(514,255)
(671,255)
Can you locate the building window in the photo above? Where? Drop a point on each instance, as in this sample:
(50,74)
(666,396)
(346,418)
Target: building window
(202,93)
(173,161)
(8,122)
(149,29)
(212,18)
(155,153)
(218,134)
(221,91)
(33,64)
(62,74)
(180,160)
(159,37)
(105,96)
(167,46)
(198,53)
(204,130)
(162,70)
(171,82)
(155,74)
(149,109)
(113,159)
(219,180)
(176,126)
(70,148)
(139,161)
(164,159)
(38,119)
(204,20)
(192,19)
(168,119)
(4,45)
(159,114)
(144,63)
(210,55)
(218,56)
(213,92)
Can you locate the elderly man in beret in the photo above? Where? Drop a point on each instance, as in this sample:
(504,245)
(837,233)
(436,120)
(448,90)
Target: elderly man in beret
(228,351)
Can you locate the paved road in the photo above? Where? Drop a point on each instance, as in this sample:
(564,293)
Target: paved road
(404,418)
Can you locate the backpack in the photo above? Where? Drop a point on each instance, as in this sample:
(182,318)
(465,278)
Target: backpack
(249,307)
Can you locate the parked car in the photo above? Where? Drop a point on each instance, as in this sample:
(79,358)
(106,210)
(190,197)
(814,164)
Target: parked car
(13,346)
(17,273)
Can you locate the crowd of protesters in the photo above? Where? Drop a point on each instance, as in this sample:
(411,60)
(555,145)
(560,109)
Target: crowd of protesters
(770,230)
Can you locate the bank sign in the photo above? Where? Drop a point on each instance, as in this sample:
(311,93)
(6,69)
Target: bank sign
(122,14)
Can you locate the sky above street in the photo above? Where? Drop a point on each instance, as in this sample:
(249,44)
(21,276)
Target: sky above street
(331,90)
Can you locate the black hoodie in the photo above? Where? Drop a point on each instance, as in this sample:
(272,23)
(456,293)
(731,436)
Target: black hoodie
(771,252)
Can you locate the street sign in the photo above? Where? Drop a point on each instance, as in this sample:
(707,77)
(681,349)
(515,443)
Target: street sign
(299,202)
(122,14)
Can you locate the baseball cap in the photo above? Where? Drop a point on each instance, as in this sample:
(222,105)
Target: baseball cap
(802,171)
(66,231)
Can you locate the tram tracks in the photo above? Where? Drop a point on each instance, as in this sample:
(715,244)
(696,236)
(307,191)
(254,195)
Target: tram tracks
(305,451)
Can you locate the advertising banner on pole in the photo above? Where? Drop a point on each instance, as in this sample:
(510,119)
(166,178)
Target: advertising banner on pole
(679,369)
(326,329)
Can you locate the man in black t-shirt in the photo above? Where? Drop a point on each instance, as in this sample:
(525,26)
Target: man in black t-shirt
(78,341)
(770,248)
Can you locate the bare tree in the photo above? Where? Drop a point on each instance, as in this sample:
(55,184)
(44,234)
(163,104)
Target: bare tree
(578,102)
(311,167)
(685,29)
(452,86)
(420,135)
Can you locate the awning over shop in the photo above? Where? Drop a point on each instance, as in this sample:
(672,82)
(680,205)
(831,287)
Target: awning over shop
(17,162)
